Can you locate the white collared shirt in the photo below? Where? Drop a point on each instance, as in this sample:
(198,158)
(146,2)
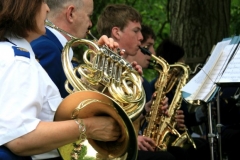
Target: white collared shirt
(27,94)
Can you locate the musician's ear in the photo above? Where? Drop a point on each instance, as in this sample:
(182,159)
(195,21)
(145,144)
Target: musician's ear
(116,33)
(70,15)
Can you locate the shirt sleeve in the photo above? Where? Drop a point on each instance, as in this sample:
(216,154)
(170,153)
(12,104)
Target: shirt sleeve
(19,110)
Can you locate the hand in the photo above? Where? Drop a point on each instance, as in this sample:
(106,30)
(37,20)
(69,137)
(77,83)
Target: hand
(146,143)
(148,106)
(104,40)
(137,67)
(102,128)
(164,106)
(179,118)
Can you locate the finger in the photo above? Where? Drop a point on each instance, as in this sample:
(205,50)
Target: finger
(103,40)
(134,63)
(179,121)
(180,117)
(165,100)
(119,51)
(122,52)
(115,45)
(181,126)
(164,107)
(179,111)
(148,147)
(139,69)
(166,113)
(111,43)
(143,148)
(154,95)
(151,142)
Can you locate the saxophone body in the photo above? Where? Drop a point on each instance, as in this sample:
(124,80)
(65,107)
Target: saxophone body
(155,120)
(178,76)
(162,128)
(107,86)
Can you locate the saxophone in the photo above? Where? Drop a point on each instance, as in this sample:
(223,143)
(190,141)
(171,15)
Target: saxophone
(108,86)
(154,119)
(162,128)
(178,74)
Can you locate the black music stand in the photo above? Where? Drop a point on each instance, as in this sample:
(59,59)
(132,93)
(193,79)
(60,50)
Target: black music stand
(219,125)
(211,135)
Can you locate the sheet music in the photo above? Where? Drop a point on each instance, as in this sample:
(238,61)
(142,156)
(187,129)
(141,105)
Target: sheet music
(202,85)
(231,74)
(217,71)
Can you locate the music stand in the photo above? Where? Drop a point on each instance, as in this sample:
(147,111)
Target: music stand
(206,83)
(219,125)
(211,135)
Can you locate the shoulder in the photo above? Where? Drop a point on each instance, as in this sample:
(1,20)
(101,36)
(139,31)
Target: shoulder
(10,51)
(21,52)
(47,41)
(44,46)
(42,41)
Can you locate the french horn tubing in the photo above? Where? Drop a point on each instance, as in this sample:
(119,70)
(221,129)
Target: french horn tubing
(108,85)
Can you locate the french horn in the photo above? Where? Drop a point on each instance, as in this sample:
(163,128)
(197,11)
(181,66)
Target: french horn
(105,84)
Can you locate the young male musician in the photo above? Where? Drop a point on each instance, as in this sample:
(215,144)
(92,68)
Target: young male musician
(123,24)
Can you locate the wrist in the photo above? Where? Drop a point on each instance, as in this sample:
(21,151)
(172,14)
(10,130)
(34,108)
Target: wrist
(82,129)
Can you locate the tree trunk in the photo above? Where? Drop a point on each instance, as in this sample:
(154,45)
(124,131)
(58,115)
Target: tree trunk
(197,25)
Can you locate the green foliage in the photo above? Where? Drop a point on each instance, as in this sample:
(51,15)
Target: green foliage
(149,74)
(235,18)
(83,154)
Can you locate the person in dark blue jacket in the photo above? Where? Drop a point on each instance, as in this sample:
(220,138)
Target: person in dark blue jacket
(74,18)
(48,49)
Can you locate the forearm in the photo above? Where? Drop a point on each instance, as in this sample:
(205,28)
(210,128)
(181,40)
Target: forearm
(46,137)
(51,135)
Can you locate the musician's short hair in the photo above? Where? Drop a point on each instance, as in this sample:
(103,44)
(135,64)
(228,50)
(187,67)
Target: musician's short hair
(147,32)
(170,51)
(116,15)
(17,17)
(56,6)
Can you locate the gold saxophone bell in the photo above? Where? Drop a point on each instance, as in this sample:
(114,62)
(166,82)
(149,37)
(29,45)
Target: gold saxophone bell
(108,86)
